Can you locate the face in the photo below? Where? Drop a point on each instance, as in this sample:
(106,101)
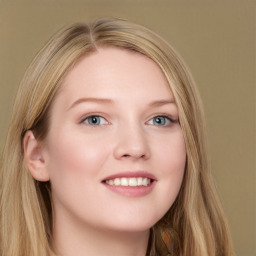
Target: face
(115,152)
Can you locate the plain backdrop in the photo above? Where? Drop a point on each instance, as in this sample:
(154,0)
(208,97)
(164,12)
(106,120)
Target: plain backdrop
(217,41)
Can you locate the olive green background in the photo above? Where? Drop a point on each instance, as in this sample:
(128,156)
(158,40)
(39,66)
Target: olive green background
(217,41)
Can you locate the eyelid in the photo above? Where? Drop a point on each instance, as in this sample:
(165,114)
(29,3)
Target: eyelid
(93,115)
(97,114)
(167,116)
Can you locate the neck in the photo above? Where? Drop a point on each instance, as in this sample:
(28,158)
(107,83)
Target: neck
(82,240)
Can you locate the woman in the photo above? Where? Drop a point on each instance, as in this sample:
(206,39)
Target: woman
(106,151)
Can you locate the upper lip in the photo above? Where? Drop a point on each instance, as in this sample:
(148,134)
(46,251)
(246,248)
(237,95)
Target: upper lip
(131,174)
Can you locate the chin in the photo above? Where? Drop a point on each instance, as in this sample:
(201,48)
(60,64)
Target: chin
(144,223)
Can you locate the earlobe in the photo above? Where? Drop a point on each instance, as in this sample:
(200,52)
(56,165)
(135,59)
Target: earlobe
(34,157)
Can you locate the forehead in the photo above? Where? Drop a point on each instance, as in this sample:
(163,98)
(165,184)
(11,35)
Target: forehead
(110,70)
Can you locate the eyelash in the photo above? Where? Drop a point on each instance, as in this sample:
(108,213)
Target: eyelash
(93,116)
(165,116)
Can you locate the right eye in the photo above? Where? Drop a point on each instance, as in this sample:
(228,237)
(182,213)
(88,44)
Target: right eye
(95,120)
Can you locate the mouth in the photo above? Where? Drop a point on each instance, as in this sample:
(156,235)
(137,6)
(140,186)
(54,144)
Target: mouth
(132,184)
(129,182)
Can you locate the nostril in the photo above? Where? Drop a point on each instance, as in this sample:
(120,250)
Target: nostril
(126,150)
(128,155)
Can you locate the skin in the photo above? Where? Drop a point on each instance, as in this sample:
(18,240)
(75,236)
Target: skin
(90,219)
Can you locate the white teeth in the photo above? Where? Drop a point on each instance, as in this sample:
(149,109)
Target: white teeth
(132,182)
(145,182)
(111,182)
(117,181)
(124,182)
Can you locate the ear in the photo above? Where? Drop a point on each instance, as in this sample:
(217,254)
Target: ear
(34,157)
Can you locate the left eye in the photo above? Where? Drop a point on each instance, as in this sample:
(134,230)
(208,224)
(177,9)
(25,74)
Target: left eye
(95,120)
(160,121)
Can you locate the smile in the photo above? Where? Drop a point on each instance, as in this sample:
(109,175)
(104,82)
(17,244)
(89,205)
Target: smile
(132,181)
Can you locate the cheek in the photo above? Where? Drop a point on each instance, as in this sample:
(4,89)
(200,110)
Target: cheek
(74,158)
(172,162)
(74,168)
(173,154)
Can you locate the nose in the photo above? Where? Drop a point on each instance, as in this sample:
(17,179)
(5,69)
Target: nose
(131,143)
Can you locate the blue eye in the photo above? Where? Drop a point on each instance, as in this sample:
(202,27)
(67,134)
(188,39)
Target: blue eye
(161,121)
(95,120)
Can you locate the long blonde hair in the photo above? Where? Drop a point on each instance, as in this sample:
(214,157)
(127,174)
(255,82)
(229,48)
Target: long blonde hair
(195,222)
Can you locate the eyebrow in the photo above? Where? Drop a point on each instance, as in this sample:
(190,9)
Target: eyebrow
(110,101)
(158,103)
(96,100)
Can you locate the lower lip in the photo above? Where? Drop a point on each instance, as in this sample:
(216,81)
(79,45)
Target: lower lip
(130,191)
